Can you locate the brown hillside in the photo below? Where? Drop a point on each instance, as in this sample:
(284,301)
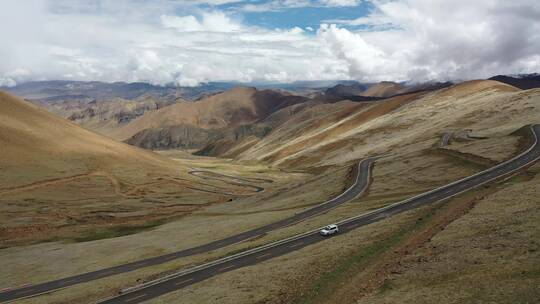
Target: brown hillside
(61,181)
(103,116)
(383,89)
(235,107)
(415,118)
(34,140)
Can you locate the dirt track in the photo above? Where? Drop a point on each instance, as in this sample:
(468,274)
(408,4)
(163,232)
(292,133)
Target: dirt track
(133,188)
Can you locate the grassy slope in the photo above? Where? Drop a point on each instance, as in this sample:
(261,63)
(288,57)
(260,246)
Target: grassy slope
(283,279)
(487,106)
(59,181)
(297,276)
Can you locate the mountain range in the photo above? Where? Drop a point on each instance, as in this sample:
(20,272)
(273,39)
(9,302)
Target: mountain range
(81,184)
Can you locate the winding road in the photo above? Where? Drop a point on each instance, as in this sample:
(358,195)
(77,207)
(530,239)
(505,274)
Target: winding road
(187,277)
(362,171)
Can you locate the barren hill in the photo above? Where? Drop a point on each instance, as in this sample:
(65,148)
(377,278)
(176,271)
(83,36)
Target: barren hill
(378,127)
(103,116)
(376,91)
(59,180)
(384,89)
(34,138)
(524,82)
(346,89)
(177,123)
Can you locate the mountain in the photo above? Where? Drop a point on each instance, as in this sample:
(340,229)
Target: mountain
(57,90)
(59,181)
(103,116)
(524,82)
(34,140)
(363,92)
(371,92)
(333,133)
(177,125)
(64,90)
(384,89)
(87,91)
(345,90)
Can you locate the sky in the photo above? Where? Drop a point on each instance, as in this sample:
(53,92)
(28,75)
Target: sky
(189,42)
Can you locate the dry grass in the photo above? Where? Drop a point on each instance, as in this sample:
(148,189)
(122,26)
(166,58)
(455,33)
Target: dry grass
(248,285)
(62,182)
(226,219)
(454,262)
(300,273)
(490,255)
(489,108)
(400,272)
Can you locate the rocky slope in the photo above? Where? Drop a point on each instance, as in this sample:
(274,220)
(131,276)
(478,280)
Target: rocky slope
(229,115)
(107,115)
(525,82)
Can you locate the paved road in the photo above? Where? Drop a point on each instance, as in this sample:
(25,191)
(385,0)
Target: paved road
(361,171)
(187,277)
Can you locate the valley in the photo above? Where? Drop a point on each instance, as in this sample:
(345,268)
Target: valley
(270,152)
(119,203)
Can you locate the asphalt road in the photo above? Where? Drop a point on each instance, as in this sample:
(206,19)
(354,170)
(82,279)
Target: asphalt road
(190,276)
(361,170)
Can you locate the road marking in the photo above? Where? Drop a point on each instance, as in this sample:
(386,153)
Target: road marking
(296,245)
(264,255)
(184,281)
(135,298)
(226,267)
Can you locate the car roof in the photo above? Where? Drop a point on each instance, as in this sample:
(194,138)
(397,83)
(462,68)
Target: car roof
(331,226)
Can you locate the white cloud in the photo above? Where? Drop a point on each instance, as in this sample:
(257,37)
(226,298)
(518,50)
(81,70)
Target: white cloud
(137,41)
(212,2)
(340,2)
(278,5)
(210,21)
(66,41)
(10,78)
(426,39)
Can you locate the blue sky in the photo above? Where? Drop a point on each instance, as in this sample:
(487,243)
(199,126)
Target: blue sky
(298,16)
(189,42)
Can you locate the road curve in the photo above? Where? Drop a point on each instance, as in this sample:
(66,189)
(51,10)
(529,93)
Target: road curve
(362,172)
(190,276)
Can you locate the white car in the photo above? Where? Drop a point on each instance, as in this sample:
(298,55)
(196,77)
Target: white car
(329,230)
